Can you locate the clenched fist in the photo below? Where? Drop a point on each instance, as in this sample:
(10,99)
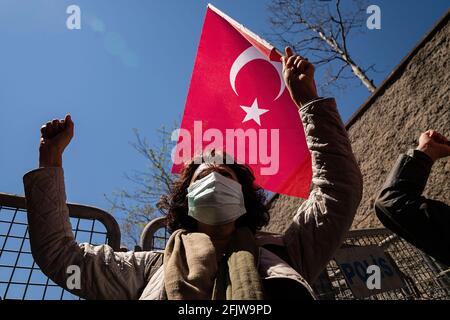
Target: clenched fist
(298,75)
(434,145)
(55,136)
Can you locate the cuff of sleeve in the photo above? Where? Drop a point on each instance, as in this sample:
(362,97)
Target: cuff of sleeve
(32,175)
(421,157)
(44,184)
(415,167)
(306,108)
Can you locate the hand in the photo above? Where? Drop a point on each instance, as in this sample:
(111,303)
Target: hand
(434,145)
(55,136)
(298,75)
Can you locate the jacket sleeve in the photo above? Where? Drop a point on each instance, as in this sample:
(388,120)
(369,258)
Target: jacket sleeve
(401,207)
(322,221)
(104,274)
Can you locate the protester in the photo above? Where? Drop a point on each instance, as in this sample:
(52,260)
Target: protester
(214,212)
(401,207)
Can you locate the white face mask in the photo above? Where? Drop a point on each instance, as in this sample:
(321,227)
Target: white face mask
(215,200)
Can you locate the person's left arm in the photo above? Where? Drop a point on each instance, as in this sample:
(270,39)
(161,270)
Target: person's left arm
(322,221)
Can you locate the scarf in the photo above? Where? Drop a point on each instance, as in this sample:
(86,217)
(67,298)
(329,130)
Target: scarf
(191,271)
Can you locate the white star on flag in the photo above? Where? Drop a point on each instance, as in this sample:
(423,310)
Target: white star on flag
(253,112)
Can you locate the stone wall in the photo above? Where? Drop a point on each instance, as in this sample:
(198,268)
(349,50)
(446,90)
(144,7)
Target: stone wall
(414,98)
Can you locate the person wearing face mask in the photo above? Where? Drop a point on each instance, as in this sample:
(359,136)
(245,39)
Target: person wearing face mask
(214,213)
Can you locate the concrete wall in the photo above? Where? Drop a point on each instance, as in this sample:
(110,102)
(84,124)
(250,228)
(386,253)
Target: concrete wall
(413,99)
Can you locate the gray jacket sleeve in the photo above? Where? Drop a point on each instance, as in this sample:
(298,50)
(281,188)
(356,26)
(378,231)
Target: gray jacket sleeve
(322,221)
(104,274)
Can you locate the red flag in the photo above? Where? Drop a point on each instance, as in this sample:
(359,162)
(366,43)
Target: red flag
(238,103)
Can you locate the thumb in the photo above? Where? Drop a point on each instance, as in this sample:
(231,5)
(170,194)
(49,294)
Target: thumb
(63,139)
(69,124)
(289,52)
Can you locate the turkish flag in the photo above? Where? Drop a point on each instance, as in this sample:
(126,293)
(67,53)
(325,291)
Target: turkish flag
(238,102)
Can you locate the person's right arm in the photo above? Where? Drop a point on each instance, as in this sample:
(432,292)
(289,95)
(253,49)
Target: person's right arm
(401,207)
(104,274)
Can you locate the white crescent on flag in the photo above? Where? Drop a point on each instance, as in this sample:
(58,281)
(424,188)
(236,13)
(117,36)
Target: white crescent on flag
(247,56)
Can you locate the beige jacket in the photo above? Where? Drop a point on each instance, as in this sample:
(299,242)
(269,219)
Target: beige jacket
(316,231)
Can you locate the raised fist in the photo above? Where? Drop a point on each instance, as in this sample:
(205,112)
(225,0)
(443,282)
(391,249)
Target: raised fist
(55,136)
(434,145)
(298,75)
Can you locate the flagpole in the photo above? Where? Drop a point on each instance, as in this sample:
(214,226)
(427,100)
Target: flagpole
(244,29)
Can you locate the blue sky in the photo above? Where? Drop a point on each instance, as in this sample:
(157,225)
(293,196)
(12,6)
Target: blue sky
(129,67)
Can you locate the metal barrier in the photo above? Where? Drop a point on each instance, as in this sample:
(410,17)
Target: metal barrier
(155,235)
(20,277)
(423,277)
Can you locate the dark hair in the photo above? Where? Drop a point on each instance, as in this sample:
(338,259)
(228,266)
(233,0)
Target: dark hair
(175,205)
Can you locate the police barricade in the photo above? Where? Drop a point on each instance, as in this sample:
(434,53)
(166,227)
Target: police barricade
(376,264)
(20,277)
(371,264)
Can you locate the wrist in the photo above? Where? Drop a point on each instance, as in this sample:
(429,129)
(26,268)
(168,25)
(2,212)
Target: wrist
(427,151)
(49,162)
(305,101)
(302,100)
(50,158)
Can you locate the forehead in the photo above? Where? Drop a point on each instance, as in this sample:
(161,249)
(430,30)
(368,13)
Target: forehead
(206,168)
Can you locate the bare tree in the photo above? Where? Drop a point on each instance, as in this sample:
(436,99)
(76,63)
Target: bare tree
(139,206)
(320,29)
